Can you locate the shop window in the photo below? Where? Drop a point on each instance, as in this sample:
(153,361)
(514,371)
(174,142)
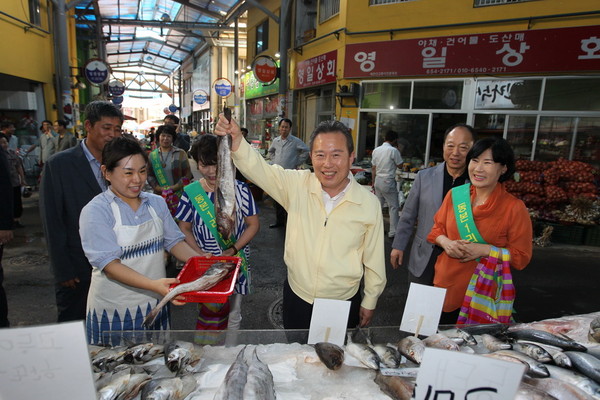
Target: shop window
(482,3)
(438,95)
(327,9)
(412,135)
(523,94)
(34,12)
(572,94)
(520,135)
(488,125)
(554,138)
(392,95)
(262,37)
(587,141)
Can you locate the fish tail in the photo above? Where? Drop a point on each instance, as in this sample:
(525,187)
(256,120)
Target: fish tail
(151,317)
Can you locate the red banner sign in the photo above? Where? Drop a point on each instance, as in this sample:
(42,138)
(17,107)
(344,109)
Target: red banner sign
(316,71)
(544,50)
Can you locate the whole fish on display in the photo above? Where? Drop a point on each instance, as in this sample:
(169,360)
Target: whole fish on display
(412,348)
(576,379)
(330,354)
(124,386)
(467,337)
(225,185)
(176,388)
(232,387)
(534,335)
(536,368)
(440,341)
(560,390)
(213,275)
(259,381)
(492,343)
(180,354)
(534,351)
(396,387)
(585,363)
(363,353)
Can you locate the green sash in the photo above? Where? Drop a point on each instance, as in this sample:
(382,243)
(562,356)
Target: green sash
(159,172)
(206,209)
(461,200)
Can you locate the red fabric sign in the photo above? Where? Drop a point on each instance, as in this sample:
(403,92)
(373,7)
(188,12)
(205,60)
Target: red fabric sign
(544,50)
(316,71)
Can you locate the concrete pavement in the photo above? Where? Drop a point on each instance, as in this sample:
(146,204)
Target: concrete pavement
(561,280)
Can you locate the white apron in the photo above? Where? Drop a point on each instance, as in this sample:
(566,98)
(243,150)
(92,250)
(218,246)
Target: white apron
(114,306)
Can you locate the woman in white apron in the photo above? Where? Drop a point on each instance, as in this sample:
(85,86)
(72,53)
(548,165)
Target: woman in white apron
(124,232)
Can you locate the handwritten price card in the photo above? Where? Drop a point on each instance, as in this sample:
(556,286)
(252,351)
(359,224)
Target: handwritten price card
(453,375)
(45,362)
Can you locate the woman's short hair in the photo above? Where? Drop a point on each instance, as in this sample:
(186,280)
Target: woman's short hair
(120,148)
(502,153)
(204,150)
(167,129)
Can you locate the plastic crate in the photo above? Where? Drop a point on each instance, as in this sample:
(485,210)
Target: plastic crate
(196,267)
(567,234)
(592,236)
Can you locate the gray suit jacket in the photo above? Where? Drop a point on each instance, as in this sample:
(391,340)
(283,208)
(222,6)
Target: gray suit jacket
(424,199)
(67,142)
(68,184)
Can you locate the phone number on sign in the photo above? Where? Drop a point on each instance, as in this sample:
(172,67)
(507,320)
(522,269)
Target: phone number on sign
(466,70)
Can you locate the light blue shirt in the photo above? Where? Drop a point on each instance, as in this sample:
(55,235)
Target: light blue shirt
(97,221)
(288,153)
(95,165)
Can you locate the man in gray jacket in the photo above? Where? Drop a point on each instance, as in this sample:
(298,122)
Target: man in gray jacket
(425,198)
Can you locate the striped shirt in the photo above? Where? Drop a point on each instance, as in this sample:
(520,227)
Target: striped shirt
(245,207)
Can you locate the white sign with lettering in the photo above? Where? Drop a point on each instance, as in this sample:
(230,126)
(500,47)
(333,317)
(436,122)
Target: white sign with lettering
(45,362)
(448,374)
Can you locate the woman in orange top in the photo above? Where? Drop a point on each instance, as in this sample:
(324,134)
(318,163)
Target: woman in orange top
(501,219)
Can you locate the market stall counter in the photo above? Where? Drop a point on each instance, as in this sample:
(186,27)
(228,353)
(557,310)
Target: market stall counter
(202,364)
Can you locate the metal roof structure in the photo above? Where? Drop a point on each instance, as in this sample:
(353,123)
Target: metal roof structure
(156,36)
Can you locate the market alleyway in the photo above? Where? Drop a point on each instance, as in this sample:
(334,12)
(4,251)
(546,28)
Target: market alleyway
(561,280)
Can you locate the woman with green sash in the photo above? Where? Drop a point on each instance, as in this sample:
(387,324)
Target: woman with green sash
(474,217)
(170,169)
(195,216)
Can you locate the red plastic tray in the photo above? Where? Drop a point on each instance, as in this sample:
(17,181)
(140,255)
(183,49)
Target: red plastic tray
(196,267)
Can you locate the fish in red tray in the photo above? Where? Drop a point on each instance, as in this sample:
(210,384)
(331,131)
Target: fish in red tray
(210,278)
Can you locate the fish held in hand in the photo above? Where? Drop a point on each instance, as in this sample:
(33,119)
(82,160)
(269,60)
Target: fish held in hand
(225,189)
(330,354)
(213,275)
